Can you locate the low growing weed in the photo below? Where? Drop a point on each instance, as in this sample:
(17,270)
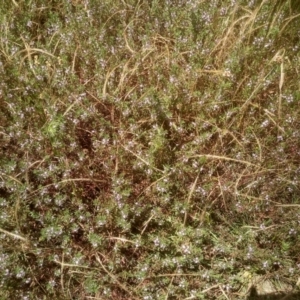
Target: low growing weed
(149,149)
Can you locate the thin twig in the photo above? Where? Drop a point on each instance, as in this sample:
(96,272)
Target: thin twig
(223,158)
(122,286)
(190,196)
(67,180)
(14,235)
(143,160)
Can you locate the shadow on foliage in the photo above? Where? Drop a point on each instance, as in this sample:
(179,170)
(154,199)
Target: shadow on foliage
(273,296)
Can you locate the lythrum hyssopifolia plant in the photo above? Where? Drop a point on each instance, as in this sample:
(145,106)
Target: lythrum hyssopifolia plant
(148,149)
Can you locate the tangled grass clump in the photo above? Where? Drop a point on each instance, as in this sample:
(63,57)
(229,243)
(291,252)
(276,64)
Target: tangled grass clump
(149,150)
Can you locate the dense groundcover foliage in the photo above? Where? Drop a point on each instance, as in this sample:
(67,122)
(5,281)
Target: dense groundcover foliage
(148,149)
